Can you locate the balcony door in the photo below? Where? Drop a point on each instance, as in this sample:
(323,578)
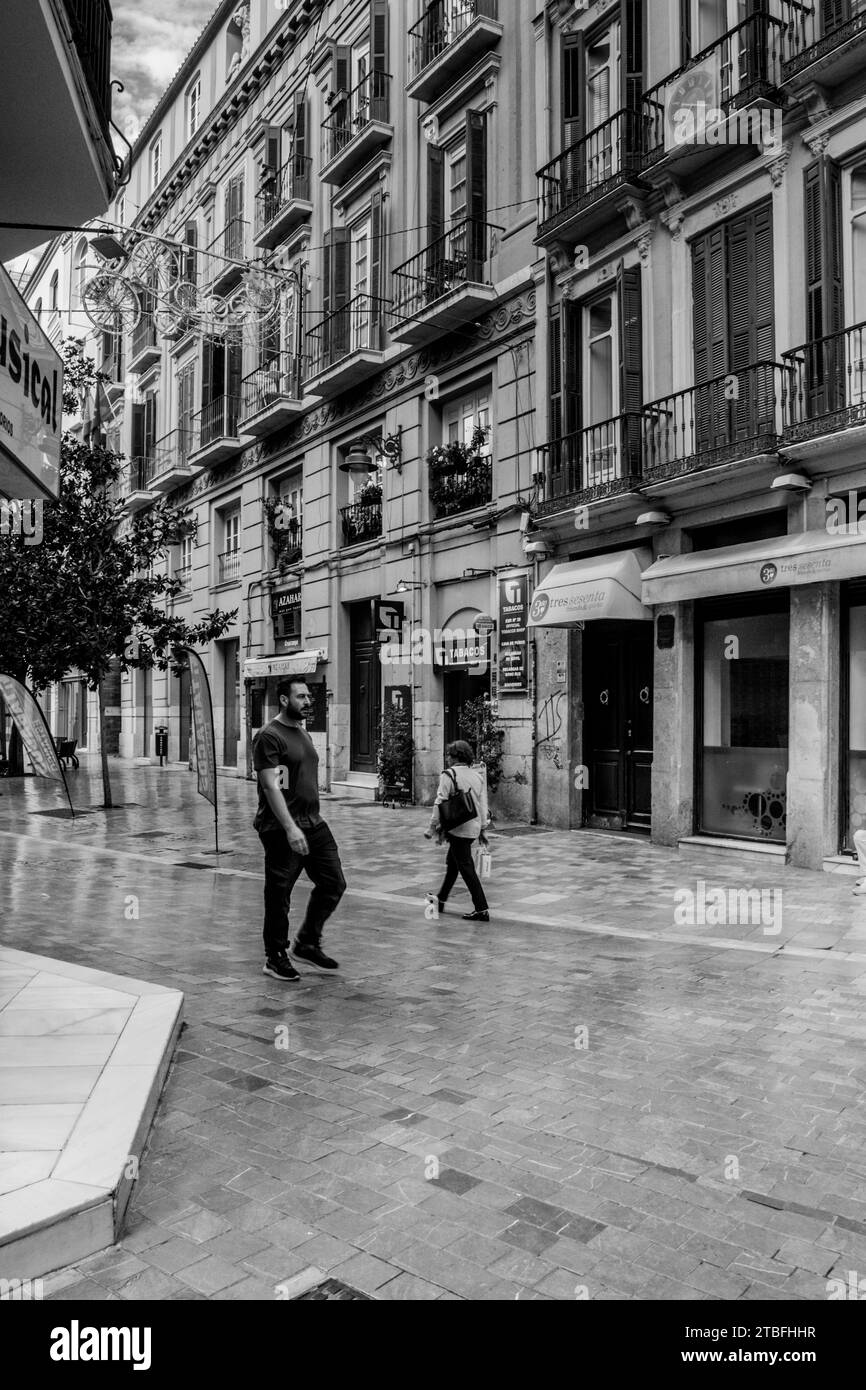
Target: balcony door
(601,390)
(231,701)
(359,284)
(365,681)
(602,65)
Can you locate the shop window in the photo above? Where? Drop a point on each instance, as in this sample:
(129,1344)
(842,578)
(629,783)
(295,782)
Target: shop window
(744,721)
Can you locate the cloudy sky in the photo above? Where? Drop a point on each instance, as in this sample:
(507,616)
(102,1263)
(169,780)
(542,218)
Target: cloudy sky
(150,40)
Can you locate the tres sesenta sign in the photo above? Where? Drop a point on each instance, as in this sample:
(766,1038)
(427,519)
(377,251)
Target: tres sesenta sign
(31,399)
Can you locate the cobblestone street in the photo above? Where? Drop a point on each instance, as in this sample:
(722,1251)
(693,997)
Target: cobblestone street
(585,1098)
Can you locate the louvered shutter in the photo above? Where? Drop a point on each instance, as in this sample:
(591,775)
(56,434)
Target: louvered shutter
(572,89)
(207,365)
(628,294)
(824,385)
(554,395)
(631,29)
(340,269)
(379,84)
(571,319)
(836,13)
(273,136)
(710,339)
(149,424)
(377,243)
(300,177)
(476,192)
(137,442)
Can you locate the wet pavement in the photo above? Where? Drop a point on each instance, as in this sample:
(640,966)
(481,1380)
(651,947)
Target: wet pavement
(635,1083)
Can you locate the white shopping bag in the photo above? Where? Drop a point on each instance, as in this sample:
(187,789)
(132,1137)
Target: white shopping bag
(485,863)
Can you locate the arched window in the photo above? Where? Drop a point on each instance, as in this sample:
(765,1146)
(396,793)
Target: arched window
(54,291)
(39,310)
(80,273)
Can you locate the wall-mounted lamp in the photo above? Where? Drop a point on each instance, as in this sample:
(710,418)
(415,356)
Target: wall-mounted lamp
(477,574)
(792,482)
(404,586)
(653,519)
(359,464)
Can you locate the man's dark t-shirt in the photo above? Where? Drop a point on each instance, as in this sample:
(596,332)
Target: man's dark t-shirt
(290,747)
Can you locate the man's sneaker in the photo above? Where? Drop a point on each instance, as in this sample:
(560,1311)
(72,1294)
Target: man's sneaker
(281,969)
(314,956)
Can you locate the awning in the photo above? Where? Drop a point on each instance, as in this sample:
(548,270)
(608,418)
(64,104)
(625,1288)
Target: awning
(806,558)
(292,664)
(604,586)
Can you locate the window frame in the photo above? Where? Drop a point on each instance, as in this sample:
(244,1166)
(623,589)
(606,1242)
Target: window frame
(193,106)
(155,162)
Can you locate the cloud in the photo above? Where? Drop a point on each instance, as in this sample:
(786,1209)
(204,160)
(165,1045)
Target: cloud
(150,40)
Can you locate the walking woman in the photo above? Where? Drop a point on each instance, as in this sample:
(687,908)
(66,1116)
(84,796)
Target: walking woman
(459,775)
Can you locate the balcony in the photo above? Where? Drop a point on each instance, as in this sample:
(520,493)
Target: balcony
(701,107)
(362,521)
(90,21)
(579,189)
(215,433)
(454,491)
(827,393)
(170,465)
(272,395)
(445,285)
(345,347)
(229,567)
(283,201)
(449,35)
(146,349)
(359,124)
(226,256)
(184,574)
(288,544)
(823,43)
(135,487)
(600,461)
(708,425)
(114,368)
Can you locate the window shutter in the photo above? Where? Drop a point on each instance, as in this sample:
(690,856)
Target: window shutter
(628,295)
(138,431)
(206,372)
(379,35)
(476,192)
(631,28)
(572,89)
(836,12)
(685,30)
(377,242)
(342,60)
(435,191)
(272,147)
(340,250)
(190,259)
(570,367)
(300,130)
(326,273)
(554,385)
(710,337)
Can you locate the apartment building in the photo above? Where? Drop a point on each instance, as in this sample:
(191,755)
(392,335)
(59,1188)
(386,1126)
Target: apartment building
(355,432)
(701,631)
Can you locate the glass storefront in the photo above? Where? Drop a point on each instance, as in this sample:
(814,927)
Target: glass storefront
(743,709)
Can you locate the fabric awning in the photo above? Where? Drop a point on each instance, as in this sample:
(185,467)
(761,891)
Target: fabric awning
(603,586)
(779,563)
(292,664)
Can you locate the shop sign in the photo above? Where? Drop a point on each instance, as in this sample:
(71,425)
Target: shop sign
(282,602)
(31,392)
(459,648)
(513,637)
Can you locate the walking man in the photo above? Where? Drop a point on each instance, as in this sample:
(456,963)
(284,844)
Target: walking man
(294,835)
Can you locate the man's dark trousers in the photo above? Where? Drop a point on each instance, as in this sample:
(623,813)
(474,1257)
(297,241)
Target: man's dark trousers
(283,868)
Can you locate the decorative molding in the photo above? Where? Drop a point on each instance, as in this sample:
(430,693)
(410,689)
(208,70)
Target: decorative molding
(430,127)
(604,273)
(673,219)
(776,162)
(816,142)
(814,98)
(632,209)
(645,240)
(670,190)
(723,207)
(560,257)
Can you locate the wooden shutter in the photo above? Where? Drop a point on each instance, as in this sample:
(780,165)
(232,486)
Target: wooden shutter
(377,243)
(631,30)
(571,319)
(336,291)
(149,424)
(710,339)
(554,370)
(630,336)
(572,91)
(379,35)
(685,30)
(273,136)
(476,192)
(206,372)
(822,208)
(190,259)
(300,128)
(342,62)
(138,431)
(836,13)
(435,191)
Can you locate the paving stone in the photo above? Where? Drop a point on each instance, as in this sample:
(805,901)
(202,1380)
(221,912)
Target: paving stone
(174,1254)
(211,1275)
(408,1288)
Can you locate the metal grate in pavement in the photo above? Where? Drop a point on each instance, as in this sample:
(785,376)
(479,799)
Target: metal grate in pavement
(333,1291)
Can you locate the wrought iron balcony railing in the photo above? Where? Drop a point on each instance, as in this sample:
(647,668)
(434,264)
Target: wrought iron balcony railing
(227,246)
(732,416)
(353,328)
(229,565)
(280,378)
(144,335)
(455,259)
(218,420)
(742,64)
(582,172)
(369,101)
(440,26)
(362,521)
(91,21)
(184,574)
(452,492)
(826,383)
(138,474)
(288,542)
(813,31)
(595,458)
(172,451)
(280,187)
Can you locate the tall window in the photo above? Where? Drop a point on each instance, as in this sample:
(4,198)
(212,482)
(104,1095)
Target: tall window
(602,76)
(461,418)
(193,106)
(155,162)
(185,408)
(54,291)
(360,282)
(80,272)
(39,310)
(232,535)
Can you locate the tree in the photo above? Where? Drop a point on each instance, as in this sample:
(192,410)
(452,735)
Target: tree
(80,597)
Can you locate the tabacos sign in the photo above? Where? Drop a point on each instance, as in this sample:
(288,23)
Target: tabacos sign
(31,391)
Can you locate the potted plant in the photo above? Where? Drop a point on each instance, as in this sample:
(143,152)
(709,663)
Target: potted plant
(478,721)
(396,754)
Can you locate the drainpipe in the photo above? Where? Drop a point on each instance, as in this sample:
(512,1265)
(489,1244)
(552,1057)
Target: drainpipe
(533,704)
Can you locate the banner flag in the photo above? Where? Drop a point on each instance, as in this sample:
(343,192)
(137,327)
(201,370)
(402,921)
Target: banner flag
(35,734)
(202,718)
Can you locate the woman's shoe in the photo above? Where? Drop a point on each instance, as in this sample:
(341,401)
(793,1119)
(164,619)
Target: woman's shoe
(477,916)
